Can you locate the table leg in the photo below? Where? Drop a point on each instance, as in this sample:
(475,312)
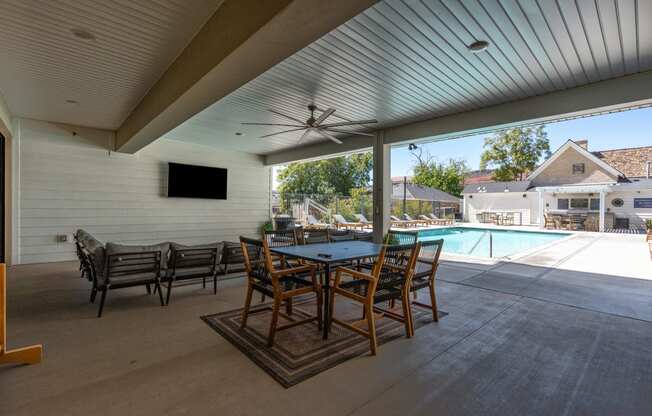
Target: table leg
(327,299)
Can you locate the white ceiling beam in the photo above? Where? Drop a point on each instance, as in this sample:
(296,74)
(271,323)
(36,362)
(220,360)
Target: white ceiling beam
(243,39)
(611,95)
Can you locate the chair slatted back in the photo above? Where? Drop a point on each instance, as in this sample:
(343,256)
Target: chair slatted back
(202,259)
(340,235)
(397,256)
(122,265)
(258,260)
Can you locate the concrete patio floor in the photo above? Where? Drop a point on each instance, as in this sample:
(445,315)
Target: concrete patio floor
(566,330)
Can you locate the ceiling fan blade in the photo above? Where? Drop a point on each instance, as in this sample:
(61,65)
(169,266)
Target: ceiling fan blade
(329,136)
(359,133)
(304,135)
(324,116)
(286,116)
(272,124)
(350,123)
(280,132)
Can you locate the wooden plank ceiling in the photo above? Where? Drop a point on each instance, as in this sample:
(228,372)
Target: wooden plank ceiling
(407,60)
(48,73)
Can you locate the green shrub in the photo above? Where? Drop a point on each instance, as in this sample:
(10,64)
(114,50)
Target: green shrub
(267,226)
(648,224)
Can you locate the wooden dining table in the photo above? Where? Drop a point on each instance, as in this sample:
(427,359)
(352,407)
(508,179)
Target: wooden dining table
(329,255)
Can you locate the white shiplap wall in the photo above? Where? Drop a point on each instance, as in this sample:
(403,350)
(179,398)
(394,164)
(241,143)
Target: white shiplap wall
(68,181)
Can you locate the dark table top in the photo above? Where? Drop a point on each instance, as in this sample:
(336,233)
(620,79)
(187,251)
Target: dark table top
(341,251)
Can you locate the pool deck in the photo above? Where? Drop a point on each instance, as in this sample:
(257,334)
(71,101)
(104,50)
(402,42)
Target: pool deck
(632,249)
(566,330)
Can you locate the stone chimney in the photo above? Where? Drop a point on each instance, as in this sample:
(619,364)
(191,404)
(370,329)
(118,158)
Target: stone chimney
(584,144)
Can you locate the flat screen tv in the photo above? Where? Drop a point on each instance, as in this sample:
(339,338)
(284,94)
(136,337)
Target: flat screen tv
(188,181)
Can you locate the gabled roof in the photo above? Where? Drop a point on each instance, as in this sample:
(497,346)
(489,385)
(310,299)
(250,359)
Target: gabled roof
(497,187)
(421,193)
(630,161)
(572,145)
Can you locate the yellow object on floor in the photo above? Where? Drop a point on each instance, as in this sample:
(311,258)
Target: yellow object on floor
(25,355)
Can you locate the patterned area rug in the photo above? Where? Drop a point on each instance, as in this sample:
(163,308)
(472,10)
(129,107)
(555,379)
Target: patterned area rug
(300,352)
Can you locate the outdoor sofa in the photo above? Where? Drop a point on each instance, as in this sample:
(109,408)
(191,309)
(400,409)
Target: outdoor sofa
(115,266)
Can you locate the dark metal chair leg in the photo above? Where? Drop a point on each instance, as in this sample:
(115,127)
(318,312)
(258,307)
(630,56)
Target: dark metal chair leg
(167,298)
(149,289)
(215,284)
(160,293)
(102,299)
(203,282)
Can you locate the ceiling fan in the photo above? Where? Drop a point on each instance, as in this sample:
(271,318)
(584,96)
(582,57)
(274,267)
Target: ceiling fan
(316,125)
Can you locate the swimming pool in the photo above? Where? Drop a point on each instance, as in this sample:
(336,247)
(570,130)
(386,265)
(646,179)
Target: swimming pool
(475,241)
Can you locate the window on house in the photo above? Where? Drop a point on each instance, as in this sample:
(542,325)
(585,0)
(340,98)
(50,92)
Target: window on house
(594,204)
(579,203)
(562,203)
(578,168)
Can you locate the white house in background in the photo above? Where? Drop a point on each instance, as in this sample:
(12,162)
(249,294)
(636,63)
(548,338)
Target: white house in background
(614,185)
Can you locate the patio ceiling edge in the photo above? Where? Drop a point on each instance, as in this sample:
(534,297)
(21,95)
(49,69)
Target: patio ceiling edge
(605,96)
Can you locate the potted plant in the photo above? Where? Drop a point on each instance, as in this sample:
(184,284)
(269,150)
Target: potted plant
(648,224)
(267,226)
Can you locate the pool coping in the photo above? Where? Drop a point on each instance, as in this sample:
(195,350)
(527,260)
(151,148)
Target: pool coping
(513,257)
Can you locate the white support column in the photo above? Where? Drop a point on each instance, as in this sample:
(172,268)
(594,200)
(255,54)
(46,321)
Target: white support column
(465,208)
(603,195)
(382,189)
(542,206)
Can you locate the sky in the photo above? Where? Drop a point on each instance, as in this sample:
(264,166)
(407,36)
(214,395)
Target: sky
(610,131)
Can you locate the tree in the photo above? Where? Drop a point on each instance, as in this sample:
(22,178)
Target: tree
(335,176)
(516,152)
(448,177)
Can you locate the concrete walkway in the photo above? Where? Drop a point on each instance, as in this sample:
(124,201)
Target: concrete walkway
(564,331)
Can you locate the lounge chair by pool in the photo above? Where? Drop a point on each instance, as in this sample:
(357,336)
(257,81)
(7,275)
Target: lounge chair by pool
(341,222)
(311,222)
(444,221)
(363,220)
(407,217)
(396,222)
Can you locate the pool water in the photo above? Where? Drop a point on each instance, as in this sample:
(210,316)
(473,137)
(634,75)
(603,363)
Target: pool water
(475,241)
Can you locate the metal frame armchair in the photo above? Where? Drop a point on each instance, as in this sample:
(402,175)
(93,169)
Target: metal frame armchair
(282,285)
(192,263)
(128,270)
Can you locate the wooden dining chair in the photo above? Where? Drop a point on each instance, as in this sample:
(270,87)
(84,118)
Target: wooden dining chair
(550,221)
(389,280)
(279,284)
(425,272)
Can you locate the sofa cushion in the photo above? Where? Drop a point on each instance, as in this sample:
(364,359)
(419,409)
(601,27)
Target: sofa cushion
(164,248)
(218,244)
(98,253)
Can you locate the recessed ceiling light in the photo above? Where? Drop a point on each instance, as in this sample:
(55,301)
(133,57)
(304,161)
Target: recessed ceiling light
(72,101)
(237,133)
(478,46)
(82,34)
